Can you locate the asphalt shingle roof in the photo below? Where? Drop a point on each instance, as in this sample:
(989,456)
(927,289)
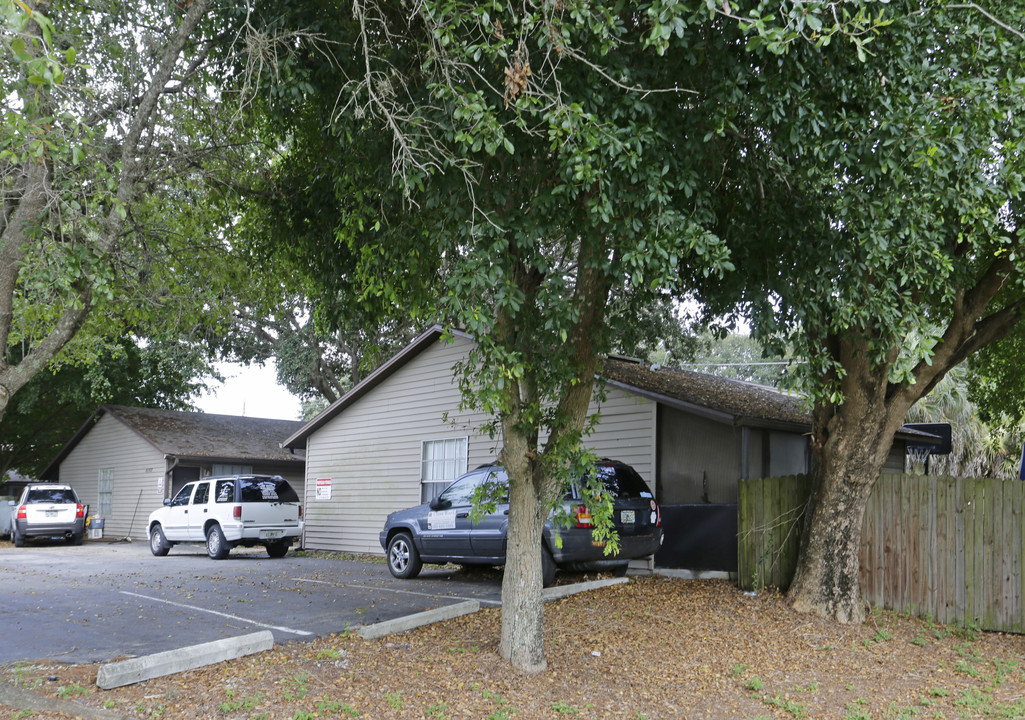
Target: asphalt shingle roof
(742,400)
(190,434)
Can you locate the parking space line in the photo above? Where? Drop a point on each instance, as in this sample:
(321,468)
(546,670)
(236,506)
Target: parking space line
(493,603)
(221,614)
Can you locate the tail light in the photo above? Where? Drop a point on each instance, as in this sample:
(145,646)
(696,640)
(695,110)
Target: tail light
(583,517)
(300,512)
(236,512)
(658,517)
(21,513)
(79,511)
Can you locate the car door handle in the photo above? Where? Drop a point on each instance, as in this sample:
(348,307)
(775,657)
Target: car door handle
(462,515)
(506,512)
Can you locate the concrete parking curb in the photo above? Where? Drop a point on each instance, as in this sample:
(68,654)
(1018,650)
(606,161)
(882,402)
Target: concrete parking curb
(409,622)
(402,624)
(560,591)
(148,667)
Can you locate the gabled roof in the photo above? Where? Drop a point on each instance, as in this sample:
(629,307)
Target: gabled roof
(195,435)
(730,401)
(399,360)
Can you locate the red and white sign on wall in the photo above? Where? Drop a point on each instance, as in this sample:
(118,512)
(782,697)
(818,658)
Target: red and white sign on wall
(323,488)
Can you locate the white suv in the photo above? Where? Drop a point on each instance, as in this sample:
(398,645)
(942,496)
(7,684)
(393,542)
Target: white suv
(227,511)
(48,510)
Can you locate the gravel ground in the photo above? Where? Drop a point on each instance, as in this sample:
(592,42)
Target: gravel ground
(652,648)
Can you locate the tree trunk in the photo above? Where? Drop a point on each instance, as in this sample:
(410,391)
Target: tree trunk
(522,642)
(827,581)
(850,444)
(530,489)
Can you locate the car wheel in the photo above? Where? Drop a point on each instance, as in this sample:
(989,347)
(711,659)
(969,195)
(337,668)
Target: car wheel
(216,546)
(158,544)
(547,567)
(277,549)
(78,538)
(19,540)
(403,558)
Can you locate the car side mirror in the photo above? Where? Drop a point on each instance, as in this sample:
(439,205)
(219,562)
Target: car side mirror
(434,504)
(12,503)
(167,501)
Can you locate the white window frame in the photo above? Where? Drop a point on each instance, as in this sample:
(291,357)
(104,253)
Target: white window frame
(440,469)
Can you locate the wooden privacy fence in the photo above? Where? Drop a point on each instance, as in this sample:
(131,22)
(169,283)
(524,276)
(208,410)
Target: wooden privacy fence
(946,548)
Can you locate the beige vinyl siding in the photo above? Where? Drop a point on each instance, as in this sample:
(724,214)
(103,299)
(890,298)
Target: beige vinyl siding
(138,473)
(626,431)
(372,451)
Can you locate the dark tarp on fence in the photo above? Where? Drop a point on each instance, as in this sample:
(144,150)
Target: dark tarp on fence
(699,537)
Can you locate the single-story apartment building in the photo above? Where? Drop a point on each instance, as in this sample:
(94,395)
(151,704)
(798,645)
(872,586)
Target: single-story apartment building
(399,436)
(124,461)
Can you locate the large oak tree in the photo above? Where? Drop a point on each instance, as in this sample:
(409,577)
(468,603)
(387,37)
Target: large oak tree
(507,169)
(895,251)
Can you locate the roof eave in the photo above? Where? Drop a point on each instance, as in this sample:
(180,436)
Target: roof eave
(234,459)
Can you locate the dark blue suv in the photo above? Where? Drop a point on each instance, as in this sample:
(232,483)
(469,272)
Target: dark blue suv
(441,531)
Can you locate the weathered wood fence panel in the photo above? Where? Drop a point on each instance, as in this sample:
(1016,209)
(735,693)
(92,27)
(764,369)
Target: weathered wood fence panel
(947,548)
(770,512)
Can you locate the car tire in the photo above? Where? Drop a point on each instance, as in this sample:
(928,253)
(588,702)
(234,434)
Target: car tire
(403,557)
(548,567)
(158,544)
(216,546)
(620,570)
(277,549)
(19,540)
(78,538)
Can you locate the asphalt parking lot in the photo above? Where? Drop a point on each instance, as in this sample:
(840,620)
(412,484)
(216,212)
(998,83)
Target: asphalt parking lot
(107,600)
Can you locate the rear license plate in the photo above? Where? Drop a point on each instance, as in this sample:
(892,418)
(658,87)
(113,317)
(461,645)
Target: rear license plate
(50,513)
(270,534)
(627,517)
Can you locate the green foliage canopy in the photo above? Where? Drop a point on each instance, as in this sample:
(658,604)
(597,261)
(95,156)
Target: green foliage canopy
(121,163)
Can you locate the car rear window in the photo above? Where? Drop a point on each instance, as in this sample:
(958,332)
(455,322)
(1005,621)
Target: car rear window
(623,482)
(59,496)
(267,489)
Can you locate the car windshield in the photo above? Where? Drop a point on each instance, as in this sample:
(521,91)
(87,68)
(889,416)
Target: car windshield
(266,489)
(58,496)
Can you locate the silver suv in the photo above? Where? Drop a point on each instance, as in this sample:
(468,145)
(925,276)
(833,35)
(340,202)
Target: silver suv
(48,510)
(227,511)
(442,531)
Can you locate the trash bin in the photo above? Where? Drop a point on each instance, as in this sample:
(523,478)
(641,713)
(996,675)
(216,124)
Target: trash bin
(95,528)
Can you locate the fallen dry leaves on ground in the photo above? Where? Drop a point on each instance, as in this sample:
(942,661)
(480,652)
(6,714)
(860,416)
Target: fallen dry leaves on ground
(653,648)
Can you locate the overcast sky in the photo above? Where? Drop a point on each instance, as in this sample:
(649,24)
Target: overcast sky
(250,391)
